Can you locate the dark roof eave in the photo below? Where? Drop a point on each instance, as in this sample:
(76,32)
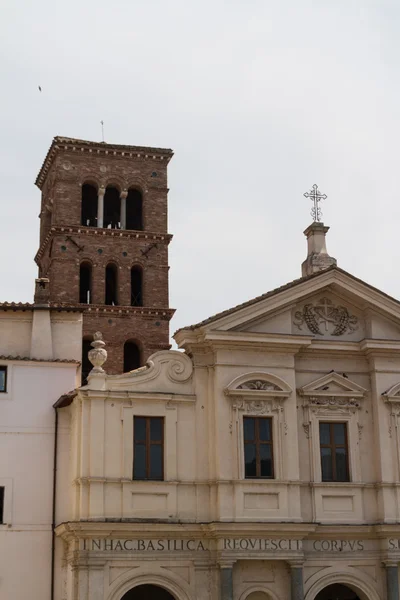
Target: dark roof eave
(65,399)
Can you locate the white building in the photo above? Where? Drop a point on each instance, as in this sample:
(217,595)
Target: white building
(40,353)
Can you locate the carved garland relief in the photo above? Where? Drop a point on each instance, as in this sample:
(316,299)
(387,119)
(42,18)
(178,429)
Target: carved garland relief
(324,318)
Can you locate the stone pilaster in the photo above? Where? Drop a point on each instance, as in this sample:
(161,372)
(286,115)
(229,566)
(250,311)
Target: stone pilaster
(100,206)
(226,581)
(296,581)
(392,581)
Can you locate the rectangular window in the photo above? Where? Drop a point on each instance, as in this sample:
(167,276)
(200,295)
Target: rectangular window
(3,379)
(334,451)
(1,505)
(148,459)
(258,450)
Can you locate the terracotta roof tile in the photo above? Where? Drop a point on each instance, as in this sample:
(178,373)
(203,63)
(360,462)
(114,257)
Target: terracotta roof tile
(51,360)
(54,306)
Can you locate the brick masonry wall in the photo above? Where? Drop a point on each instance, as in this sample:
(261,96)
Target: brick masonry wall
(63,252)
(149,333)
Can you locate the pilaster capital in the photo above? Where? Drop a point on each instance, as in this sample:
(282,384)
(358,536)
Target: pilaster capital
(390,563)
(295,564)
(226,564)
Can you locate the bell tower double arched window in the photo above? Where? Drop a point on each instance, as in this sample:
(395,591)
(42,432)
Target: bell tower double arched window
(112,208)
(132,356)
(86,364)
(136,286)
(134,210)
(89,205)
(85,283)
(111,291)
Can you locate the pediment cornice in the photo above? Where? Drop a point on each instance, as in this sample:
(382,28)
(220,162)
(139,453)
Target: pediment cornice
(333,384)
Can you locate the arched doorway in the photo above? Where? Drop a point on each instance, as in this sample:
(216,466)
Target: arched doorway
(148,592)
(337,591)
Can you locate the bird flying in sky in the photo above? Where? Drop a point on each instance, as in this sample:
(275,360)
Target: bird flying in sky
(40,89)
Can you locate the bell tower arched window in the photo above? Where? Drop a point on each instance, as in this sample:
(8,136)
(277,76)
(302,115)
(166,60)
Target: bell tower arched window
(134,210)
(111,291)
(136,286)
(132,356)
(112,209)
(86,364)
(89,205)
(85,283)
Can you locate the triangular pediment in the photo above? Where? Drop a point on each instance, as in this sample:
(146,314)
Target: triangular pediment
(331,305)
(393,393)
(333,384)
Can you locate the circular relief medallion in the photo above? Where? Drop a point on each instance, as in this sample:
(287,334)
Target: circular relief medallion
(103,169)
(67,165)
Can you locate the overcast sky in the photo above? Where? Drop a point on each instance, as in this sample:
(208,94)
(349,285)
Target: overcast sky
(259,99)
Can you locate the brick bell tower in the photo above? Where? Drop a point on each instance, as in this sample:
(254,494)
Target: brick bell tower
(104,244)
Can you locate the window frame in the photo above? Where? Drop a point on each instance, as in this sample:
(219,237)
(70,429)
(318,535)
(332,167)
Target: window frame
(4,369)
(332,446)
(148,443)
(256,441)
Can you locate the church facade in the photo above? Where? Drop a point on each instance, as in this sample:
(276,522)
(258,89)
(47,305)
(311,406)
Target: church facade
(259,462)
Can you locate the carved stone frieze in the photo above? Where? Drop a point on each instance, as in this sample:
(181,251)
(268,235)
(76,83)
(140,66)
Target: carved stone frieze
(258,384)
(257,407)
(325,318)
(333,403)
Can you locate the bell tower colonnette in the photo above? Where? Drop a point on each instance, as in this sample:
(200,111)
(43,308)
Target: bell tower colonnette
(104,243)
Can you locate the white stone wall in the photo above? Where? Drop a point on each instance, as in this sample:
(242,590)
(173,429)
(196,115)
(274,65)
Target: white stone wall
(27,420)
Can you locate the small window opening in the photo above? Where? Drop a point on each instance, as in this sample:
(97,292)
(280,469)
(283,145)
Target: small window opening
(3,379)
(85,283)
(1,505)
(148,459)
(89,205)
(334,451)
(86,364)
(112,209)
(134,210)
(111,285)
(131,356)
(136,286)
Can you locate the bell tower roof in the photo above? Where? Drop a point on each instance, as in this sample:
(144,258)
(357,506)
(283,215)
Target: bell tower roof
(60,144)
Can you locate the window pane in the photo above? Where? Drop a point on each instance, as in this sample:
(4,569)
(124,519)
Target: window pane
(156,461)
(156,427)
(266,460)
(140,429)
(324,433)
(339,433)
(264,429)
(249,430)
(250,460)
(2,380)
(341,465)
(326,464)
(139,468)
(1,504)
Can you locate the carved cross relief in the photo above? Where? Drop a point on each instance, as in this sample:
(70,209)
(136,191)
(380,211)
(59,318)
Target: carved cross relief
(325,318)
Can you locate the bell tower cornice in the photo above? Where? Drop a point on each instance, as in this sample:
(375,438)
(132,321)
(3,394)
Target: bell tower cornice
(61,145)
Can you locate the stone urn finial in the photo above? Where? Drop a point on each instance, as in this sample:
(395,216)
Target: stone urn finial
(98,355)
